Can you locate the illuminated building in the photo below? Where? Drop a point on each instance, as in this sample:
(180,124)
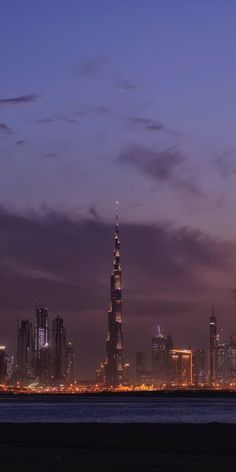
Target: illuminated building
(3,365)
(140,366)
(213,347)
(25,352)
(70,358)
(199,366)
(181,366)
(161,347)
(45,366)
(114,366)
(59,354)
(126,374)
(41,334)
(226,362)
(100,374)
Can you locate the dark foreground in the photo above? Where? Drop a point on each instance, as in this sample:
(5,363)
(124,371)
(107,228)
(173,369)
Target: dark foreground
(117,447)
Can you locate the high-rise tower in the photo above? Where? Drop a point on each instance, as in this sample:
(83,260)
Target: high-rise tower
(114,367)
(41,334)
(161,347)
(213,347)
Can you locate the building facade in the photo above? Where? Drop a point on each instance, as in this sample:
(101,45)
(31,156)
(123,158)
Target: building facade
(181,367)
(114,365)
(161,348)
(213,357)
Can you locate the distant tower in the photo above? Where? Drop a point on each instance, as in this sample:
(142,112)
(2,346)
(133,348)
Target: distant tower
(213,347)
(41,334)
(114,367)
(140,365)
(3,365)
(161,347)
(25,353)
(59,349)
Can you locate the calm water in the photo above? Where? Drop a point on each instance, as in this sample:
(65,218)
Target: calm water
(122,410)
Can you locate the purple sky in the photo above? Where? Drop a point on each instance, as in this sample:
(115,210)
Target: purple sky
(128,100)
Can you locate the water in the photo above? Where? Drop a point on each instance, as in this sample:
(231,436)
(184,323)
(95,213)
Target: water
(121,410)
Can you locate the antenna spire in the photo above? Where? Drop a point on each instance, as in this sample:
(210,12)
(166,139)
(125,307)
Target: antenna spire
(117,212)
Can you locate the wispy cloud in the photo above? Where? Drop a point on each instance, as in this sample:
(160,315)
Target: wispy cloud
(90,67)
(20,142)
(125,86)
(45,120)
(165,165)
(19,100)
(5,128)
(226,164)
(147,123)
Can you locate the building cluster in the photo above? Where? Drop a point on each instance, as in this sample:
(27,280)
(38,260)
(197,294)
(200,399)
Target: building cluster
(170,366)
(44,356)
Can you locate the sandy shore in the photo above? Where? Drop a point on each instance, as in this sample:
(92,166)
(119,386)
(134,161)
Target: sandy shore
(113,447)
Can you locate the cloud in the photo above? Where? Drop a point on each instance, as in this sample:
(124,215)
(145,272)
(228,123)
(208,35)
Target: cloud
(68,120)
(5,128)
(226,164)
(90,68)
(147,124)
(125,86)
(19,100)
(49,155)
(45,120)
(77,252)
(164,165)
(20,142)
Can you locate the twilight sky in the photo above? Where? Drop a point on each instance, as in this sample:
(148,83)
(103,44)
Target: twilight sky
(130,100)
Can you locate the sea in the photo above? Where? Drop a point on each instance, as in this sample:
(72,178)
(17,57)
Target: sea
(112,409)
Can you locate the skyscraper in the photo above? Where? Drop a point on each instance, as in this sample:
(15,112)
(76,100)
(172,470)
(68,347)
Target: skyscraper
(161,347)
(181,367)
(3,365)
(140,366)
(199,366)
(114,366)
(41,334)
(213,347)
(59,350)
(25,352)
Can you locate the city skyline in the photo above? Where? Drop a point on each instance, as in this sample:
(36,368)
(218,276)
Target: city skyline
(90,113)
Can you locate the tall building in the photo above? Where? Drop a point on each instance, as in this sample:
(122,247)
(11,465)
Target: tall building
(199,366)
(3,365)
(25,351)
(59,350)
(181,367)
(114,366)
(41,334)
(213,347)
(161,347)
(45,366)
(226,362)
(140,366)
(70,363)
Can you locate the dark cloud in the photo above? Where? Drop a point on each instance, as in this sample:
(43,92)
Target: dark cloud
(19,100)
(20,142)
(4,127)
(226,164)
(125,86)
(49,155)
(45,120)
(68,120)
(166,165)
(56,249)
(147,124)
(90,68)
(66,262)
